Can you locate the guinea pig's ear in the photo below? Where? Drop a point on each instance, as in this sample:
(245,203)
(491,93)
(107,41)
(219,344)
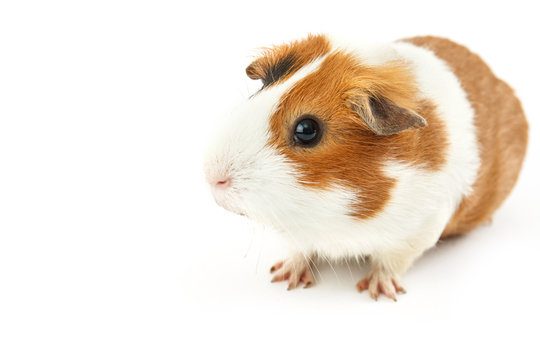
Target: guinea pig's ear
(271,69)
(279,62)
(254,71)
(384,117)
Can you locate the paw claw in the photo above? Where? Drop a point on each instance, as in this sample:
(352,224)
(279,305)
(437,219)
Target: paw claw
(276,267)
(398,287)
(295,270)
(292,286)
(378,283)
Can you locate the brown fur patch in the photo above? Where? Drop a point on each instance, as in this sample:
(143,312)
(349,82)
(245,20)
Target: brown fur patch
(349,153)
(278,63)
(501,131)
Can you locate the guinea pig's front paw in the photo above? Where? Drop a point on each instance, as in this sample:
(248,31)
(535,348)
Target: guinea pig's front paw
(381,282)
(296,270)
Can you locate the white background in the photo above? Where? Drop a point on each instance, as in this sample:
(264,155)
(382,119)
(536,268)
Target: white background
(111,246)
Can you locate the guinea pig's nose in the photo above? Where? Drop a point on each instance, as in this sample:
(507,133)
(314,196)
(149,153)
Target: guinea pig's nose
(223,183)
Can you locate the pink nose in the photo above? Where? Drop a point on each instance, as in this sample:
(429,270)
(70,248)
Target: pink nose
(223,183)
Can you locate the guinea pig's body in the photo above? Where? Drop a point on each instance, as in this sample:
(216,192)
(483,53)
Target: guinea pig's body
(369,151)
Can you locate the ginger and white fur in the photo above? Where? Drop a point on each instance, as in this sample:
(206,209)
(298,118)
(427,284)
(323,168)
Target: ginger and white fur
(317,222)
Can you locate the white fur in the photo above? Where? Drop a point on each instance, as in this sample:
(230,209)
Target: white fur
(260,176)
(265,185)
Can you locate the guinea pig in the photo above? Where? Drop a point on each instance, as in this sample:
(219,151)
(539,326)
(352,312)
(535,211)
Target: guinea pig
(368,151)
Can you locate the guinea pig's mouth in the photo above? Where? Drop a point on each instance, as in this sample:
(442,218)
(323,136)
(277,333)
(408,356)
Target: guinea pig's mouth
(225,202)
(230,208)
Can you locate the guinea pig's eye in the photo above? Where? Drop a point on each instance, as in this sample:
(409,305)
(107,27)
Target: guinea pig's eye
(307,131)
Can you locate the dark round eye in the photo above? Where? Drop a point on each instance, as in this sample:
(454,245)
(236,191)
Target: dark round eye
(307,131)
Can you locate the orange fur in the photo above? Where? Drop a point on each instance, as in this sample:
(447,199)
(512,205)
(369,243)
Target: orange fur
(349,154)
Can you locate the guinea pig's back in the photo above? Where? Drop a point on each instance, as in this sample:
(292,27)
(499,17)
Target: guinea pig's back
(501,130)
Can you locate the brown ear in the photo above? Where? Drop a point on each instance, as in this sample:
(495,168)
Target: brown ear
(384,117)
(271,69)
(279,62)
(253,72)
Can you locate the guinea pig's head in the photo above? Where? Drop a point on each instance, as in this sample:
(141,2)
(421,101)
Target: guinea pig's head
(311,142)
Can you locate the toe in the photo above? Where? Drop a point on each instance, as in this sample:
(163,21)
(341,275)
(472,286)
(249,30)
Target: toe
(398,287)
(281,276)
(373,289)
(307,279)
(363,284)
(276,267)
(387,288)
(294,280)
